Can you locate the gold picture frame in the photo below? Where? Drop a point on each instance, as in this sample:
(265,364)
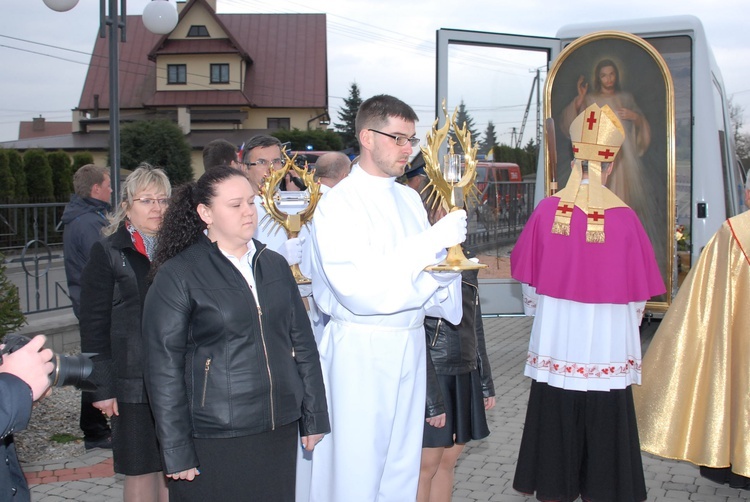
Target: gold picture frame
(644,173)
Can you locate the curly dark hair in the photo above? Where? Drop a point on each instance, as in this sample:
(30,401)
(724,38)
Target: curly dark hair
(181,226)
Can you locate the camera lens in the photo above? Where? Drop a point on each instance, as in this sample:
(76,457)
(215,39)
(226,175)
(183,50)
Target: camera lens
(72,370)
(68,370)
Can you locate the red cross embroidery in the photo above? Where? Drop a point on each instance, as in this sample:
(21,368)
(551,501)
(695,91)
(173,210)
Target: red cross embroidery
(591,120)
(575,149)
(596,215)
(606,154)
(565,209)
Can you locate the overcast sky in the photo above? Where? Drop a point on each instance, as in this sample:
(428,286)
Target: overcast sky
(385,46)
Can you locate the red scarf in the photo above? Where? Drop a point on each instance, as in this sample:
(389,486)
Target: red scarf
(137,239)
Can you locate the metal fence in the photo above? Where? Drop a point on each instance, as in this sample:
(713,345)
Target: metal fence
(31,240)
(501,213)
(21,223)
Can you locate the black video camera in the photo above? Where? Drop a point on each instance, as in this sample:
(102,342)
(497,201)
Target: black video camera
(69,370)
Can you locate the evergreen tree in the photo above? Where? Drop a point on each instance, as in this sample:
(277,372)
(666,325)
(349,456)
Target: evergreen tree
(741,140)
(525,159)
(15,163)
(7,184)
(11,317)
(489,140)
(62,176)
(463,117)
(161,143)
(80,159)
(38,176)
(347,115)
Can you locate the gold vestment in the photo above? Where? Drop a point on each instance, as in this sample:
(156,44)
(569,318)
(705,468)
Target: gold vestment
(694,403)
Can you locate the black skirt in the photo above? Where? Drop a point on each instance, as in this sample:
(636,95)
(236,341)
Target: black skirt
(259,467)
(135,449)
(725,476)
(580,443)
(464,412)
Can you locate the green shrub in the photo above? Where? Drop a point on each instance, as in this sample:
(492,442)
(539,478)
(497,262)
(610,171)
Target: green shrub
(15,163)
(11,317)
(7,183)
(38,176)
(161,143)
(317,138)
(62,175)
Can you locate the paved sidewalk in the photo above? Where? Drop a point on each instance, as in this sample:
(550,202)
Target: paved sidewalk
(484,472)
(88,478)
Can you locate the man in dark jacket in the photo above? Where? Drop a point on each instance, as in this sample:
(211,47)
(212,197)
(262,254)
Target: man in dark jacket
(84,217)
(24,378)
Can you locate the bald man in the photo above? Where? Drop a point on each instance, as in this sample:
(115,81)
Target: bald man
(332,167)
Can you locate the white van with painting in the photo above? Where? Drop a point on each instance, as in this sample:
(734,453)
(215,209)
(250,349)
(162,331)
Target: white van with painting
(682,178)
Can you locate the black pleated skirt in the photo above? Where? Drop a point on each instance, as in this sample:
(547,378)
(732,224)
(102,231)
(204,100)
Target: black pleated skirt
(135,449)
(464,412)
(580,443)
(260,467)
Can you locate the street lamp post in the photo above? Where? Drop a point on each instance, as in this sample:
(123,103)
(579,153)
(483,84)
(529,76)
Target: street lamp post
(111,19)
(160,17)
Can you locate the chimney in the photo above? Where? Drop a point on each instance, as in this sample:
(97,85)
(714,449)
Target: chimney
(96,105)
(38,124)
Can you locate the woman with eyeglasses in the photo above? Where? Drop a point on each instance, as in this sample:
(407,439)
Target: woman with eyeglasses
(233,371)
(113,289)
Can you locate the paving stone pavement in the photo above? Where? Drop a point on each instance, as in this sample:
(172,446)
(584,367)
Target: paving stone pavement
(484,471)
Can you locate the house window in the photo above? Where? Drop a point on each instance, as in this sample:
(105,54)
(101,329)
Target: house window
(198,31)
(219,73)
(278,123)
(176,74)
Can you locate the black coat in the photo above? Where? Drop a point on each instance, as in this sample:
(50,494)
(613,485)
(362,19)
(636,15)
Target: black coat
(84,219)
(457,349)
(15,411)
(221,366)
(113,289)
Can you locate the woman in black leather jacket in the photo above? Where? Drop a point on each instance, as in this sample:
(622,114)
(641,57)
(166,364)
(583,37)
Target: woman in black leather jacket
(233,368)
(113,288)
(459,383)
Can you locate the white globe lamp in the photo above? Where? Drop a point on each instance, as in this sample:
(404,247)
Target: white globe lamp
(60,5)
(159,16)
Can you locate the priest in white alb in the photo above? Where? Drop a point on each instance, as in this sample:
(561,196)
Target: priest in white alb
(371,242)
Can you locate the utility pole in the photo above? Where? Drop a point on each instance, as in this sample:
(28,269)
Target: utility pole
(534,84)
(538,109)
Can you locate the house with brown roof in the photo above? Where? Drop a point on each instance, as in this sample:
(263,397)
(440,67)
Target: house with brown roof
(39,127)
(225,76)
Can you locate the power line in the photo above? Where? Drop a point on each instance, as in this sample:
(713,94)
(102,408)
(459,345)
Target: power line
(46,45)
(368,33)
(104,63)
(42,54)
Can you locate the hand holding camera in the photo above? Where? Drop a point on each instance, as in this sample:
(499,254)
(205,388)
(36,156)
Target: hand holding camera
(30,363)
(61,370)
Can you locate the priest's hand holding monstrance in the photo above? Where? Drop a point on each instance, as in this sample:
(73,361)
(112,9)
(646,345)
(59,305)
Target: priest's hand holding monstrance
(289,210)
(452,182)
